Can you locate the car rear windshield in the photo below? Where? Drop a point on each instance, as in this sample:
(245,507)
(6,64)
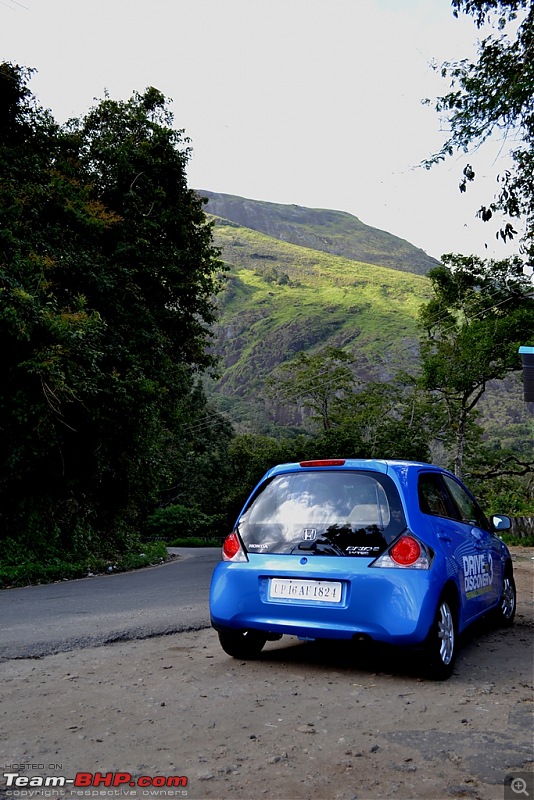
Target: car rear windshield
(324,512)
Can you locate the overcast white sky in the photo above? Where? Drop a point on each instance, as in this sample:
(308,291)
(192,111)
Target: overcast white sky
(313,102)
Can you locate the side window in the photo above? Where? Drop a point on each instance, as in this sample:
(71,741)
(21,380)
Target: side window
(469,509)
(433,499)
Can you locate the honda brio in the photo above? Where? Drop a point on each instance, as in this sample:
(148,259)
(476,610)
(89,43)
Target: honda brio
(388,551)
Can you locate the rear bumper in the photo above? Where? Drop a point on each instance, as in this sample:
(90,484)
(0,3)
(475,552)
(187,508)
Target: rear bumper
(395,606)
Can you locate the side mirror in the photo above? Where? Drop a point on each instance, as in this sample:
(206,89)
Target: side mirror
(501,523)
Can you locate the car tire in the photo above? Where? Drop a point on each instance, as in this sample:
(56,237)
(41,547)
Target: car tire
(242,644)
(440,648)
(505,611)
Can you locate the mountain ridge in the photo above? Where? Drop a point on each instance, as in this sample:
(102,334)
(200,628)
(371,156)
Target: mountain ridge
(335,232)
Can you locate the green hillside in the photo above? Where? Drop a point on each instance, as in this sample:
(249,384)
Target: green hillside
(328,231)
(281,298)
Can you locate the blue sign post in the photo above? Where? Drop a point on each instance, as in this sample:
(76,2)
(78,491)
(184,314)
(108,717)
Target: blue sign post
(527,357)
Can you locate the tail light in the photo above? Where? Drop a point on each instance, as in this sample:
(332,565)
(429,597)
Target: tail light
(407,552)
(232,549)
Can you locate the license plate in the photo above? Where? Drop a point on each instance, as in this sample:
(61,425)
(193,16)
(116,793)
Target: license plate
(302,590)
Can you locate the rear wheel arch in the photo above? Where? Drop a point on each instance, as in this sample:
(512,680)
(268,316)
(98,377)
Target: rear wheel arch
(508,567)
(451,594)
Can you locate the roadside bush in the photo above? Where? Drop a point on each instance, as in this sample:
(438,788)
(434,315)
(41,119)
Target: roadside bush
(19,568)
(516,541)
(180,522)
(151,553)
(32,572)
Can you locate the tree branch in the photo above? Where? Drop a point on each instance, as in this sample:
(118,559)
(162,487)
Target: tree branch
(523,468)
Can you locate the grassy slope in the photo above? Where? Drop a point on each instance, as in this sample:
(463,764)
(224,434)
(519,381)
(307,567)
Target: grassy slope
(282,298)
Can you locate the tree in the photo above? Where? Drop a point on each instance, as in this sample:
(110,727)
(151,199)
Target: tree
(495,96)
(49,348)
(374,421)
(107,278)
(383,420)
(478,316)
(314,382)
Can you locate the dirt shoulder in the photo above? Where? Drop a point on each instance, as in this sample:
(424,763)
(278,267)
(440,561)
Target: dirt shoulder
(301,722)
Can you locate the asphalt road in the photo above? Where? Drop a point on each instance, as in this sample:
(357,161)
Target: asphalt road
(41,620)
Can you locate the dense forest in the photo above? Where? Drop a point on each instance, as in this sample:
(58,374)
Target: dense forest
(109,278)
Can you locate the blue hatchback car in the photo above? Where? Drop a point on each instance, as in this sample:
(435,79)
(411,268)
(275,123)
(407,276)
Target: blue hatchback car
(390,551)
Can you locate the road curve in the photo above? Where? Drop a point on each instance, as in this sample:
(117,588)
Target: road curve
(40,620)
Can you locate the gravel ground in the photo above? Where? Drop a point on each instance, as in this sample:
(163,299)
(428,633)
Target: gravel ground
(302,722)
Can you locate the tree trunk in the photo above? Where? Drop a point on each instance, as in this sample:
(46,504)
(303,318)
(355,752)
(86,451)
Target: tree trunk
(460,442)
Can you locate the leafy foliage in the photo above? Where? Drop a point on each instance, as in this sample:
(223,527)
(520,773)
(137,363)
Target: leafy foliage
(386,420)
(107,277)
(475,322)
(495,96)
(371,420)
